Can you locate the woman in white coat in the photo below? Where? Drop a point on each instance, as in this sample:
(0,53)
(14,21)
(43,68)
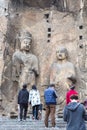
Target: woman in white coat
(34,100)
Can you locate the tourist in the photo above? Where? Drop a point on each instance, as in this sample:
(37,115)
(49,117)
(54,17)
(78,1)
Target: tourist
(75,115)
(34,100)
(71,92)
(50,101)
(85,103)
(23,97)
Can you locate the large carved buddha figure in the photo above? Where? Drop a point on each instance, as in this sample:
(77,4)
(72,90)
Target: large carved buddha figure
(25,64)
(62,74)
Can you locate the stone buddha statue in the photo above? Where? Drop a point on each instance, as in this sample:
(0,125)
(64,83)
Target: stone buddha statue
(25,64)
(62,74)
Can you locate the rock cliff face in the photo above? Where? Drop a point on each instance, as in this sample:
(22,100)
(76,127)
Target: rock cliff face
(52,23)
(61,5)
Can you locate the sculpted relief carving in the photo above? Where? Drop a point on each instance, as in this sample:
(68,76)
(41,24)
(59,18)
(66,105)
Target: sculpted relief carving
(23,67)
(62,75)
(25,64)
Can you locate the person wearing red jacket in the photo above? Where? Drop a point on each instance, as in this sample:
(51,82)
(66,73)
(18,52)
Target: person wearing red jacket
(71,92)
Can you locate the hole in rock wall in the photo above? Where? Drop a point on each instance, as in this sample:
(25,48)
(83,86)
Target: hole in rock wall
(81,27)
(49,35)
(49,29)
(47,15)
(80,37)
(48,40)
(81,46)
(47,21)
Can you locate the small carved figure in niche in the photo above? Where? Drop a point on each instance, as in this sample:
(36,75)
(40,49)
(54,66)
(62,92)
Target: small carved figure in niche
(25,64)
(62,74)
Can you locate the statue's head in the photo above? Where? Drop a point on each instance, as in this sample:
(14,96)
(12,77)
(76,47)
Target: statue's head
(26,40)
(61,53)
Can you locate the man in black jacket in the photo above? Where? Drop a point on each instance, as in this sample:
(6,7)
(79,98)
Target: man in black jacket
(23,97)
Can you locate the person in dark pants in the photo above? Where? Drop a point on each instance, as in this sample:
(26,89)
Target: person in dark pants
(34,100)
(50,101)
(23,97)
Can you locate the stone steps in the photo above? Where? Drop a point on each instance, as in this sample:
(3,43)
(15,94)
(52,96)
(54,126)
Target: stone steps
(29,124)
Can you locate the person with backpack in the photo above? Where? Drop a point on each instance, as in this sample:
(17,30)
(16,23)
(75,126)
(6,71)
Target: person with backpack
(23,97)
(50,102)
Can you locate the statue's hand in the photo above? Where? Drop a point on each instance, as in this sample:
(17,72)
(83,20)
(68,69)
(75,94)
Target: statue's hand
(72,79)
(35,72)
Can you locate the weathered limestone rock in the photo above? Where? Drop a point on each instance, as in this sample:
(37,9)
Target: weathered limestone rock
(3,29)
(52,23)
